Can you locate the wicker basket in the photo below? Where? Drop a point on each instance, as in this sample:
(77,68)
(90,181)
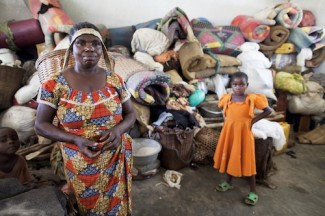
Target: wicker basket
(177,149)
(10,81)
(52,62)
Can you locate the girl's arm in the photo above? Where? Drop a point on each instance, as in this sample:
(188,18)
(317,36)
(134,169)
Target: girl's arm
(266,111)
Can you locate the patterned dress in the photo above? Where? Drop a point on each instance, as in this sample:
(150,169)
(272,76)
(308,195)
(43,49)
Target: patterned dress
(102,185)
(235,153)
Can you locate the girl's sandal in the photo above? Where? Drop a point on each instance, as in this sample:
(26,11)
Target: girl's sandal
(251,199)
(224,186)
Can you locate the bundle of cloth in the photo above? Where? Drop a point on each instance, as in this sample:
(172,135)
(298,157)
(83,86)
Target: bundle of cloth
(54,21)
(265,128)
(253,29)
(278,36)
(197,65)
(176,26)
(306,37)
(149,87)
(256,66)
(286,14)
(147,43)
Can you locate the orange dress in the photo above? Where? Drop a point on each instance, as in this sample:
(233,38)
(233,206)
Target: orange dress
(235,152)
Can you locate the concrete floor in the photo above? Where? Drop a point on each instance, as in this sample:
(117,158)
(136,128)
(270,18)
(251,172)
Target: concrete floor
(300,190)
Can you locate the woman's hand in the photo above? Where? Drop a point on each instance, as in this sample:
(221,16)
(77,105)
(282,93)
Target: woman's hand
(111,139)
(87,147)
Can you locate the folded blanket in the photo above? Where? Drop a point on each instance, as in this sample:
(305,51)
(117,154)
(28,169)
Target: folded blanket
(300,39)
(254,30)
(278,35)
(149,87)
(315,33)
(194,61)
(285,48)
(286,14)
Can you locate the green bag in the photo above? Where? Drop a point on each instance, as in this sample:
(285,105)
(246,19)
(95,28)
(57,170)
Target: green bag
(292,83)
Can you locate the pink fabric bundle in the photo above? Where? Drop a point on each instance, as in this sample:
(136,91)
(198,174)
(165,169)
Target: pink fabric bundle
(254,30)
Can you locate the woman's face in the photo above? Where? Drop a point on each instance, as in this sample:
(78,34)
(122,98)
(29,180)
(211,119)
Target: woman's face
(239,85)
(9,141)
(87,50)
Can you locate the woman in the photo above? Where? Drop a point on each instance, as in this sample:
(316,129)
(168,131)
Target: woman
(94,112)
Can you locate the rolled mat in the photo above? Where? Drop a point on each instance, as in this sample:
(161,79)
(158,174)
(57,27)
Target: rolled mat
(278,35)
(288,15)
(126,66)
(17,35)
(315,137)
(149,87)
(194,61)
(253,29)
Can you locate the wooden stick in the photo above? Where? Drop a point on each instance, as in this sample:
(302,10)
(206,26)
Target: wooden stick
(32,148)
(43,157)
(37,153)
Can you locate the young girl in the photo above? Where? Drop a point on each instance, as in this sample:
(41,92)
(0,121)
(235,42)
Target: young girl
(12,164)
(235,153)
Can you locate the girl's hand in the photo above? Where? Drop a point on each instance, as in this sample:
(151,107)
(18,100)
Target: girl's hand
(111,139)
(87,147)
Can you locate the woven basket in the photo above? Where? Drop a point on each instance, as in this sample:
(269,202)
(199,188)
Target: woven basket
(10,81)
(177,149)
(205,145)
(52,62)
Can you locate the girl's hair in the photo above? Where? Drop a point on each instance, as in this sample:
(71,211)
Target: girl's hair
(81,25)
(239,75)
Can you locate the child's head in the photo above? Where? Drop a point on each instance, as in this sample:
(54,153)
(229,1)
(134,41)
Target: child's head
(9,141)
(239,83)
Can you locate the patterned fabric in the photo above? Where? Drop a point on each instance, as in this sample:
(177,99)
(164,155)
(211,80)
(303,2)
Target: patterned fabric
(176,26)
(288,15)
(254,30)
(218,40)
(149,87)
(102,185)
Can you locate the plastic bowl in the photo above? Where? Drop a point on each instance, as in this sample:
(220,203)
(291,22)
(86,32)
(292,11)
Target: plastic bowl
(145,151)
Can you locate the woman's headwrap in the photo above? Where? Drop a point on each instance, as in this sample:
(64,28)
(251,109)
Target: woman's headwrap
(109,62)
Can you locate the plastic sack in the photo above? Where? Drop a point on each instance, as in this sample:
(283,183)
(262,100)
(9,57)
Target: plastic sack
(293,83)
(310,103)
(173,178)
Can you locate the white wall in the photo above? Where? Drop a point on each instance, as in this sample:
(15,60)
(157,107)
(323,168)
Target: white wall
(119,13)
(129,12)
